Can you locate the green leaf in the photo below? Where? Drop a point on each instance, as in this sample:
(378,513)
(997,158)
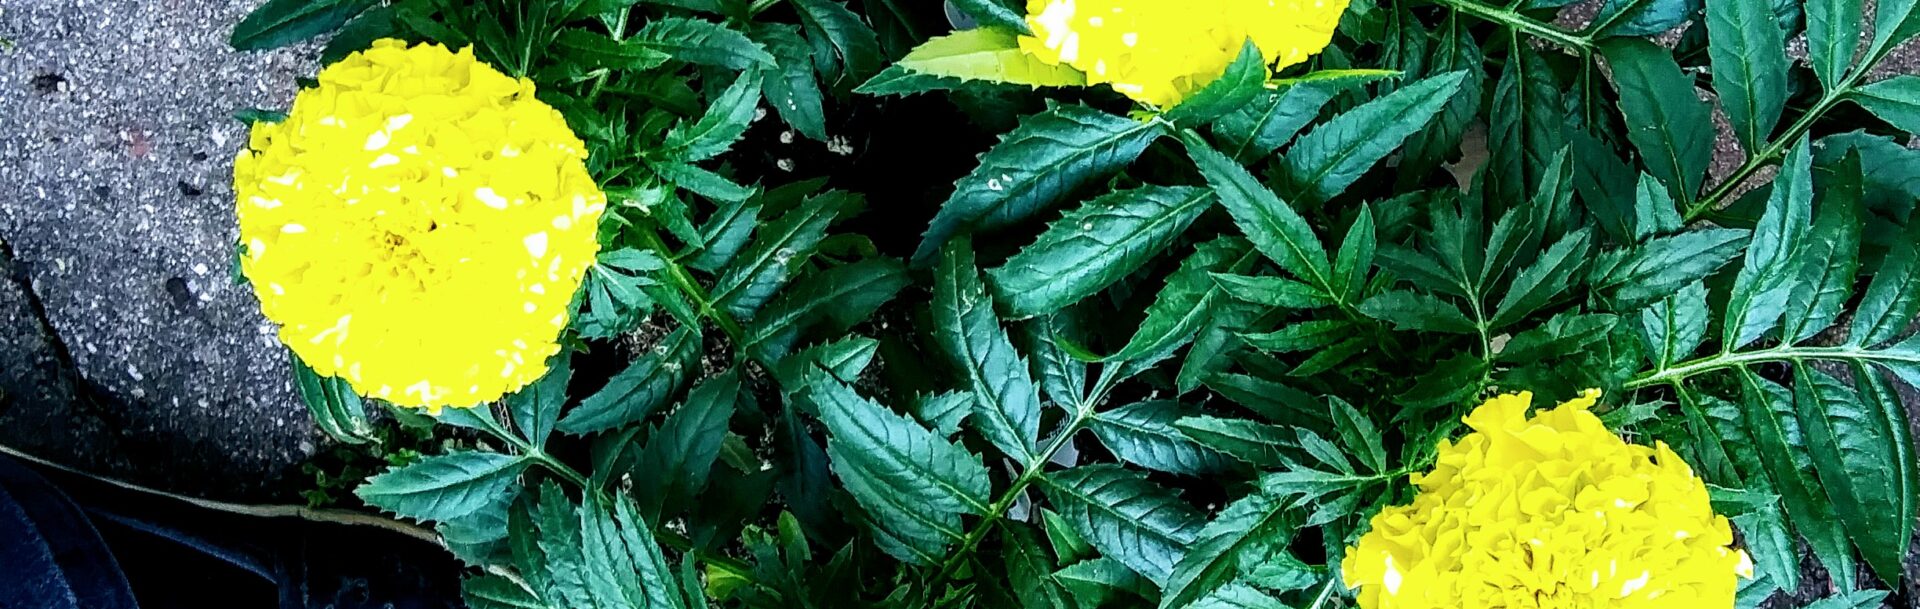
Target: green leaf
(597,49)
(1857,599)
(1666,120)
(1243,533)
(1277,292)
(1067,545)
(789,85)
(987,54)
(1048,157)
(1749,53)
(1331,157)
(1244,79)
(641,388)
(442,487)
(1355,260)
(1895,100)
(839,35)
(1274,227)
(1892,298)
(1769,415)
(1605,184)
(1662,266)
(1526,128)
(559,541)
(768,263)
(1029,568)
(1097,581)
(1654,213)
(700,181)
(1259,444)
(1674,327)
(1301,336)
(994,13)
(1894,21)
(1853,451)
(726,119)
(834,299)
(1062,377)
(336,409)
(536,406)
(680,453)
(1237,596)
(1833,36)
(1415,311)
(1760,291)
(943,412)
(1278,403)
(724,234)
(1142,525)
(496,592)
(844,359)
(1549,275)
(913,484)
(1830,263)
(1270,119)
(279,23)
(1644,17)
(1440,140)
(1358,435)
(1006,406)
(1186,302)
(1095,246)
(703,42)
(1143,434)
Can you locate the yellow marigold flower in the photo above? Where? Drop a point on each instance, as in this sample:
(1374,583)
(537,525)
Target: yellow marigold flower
(1160,52)
(1549,511)
(418,225)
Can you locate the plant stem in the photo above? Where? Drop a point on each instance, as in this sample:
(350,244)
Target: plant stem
(1712,363)
(684,281)
(1523,23)
(1030,473)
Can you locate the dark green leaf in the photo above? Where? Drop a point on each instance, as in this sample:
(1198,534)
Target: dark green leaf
(1830,264)
(598,50)
(1274,227)
(1895,100)
(680,453)
(1833,36)
(1048,157)
(1143,434)
(496,592)
(1549,275)
(1259,444)
(1094,246)
(1270,119)
(837,298)
(994,13)
(280,23)
(642,387)
(1768,412)
(1097,581)
(336,409)
(780,247)
(1332,156)
(1245,78)
(536,406)
(1006,406)
(725,121)
(1760,291)
(1187,301)
(1246,531)
(789,85)
(1142,525)
(1749,53)
(1301,336)
(700,181)
(1663,266)
(1853,450)
(839,37)
(1666,120)
(1278,292)
(703,42)
(1891,300)
(1415,311)
(442,487)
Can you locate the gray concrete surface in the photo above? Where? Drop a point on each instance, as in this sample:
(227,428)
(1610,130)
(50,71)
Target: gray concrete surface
(115,203)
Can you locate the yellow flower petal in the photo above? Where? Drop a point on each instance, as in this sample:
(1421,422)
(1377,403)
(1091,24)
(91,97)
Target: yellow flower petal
(418,225)
(1546,511)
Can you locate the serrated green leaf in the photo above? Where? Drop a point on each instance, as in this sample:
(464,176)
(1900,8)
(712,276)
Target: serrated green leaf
(496,592)
(1830,264)
(598,50)
(1274,227)
(1030,569)
(1857,599)
(837,298)
(789,86)
(1213,347)
(1143,434)
(1095,246)
(1527,126)
(767,264)
(913,484)
(1331,157)
(1408,310)
(1049,156)
(1749,53)
(988,54)
(1278,292)
(1654,213)
(1895,100)
(1278,403)
(703,42)
(1006,406)
(839,38)
(536,406)
(1354,262)
(1769,417)
(335,408)
(1300,336)
(1187,300)
(724,234)
(845,359)
(1095,582)
(1241,534)
(1270,119)
(1605,184)
(1440,140)
(1062,377)
(943,412)
(1549,275)
(1245,78)
(700,181)
(726,119)
(1833,36)
(1666,120)
(642,387)
(1142,525)
(1664,265)
(1760,291)
(1258,444)
(1565,334)
(1644,17)
(1853,451)
(279,23)
(994,13)
(1894,21)
(1891,300)
(1236,595)
(679,454)
(442,487)
(1358,434)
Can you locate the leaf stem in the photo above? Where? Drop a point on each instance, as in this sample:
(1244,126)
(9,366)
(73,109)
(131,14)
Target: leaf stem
(1712,363)
(1030,473)
(684,281)
(1523,23)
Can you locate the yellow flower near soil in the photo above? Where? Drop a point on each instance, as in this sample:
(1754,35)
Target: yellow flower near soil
(1160,52)
(418,225)
(1549,511)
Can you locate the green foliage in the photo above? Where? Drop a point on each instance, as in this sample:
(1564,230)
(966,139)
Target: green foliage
(1082,385)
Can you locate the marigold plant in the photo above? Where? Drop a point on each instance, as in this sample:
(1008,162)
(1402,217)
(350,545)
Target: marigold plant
(1552,510)
(418,225)
(1160,52)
